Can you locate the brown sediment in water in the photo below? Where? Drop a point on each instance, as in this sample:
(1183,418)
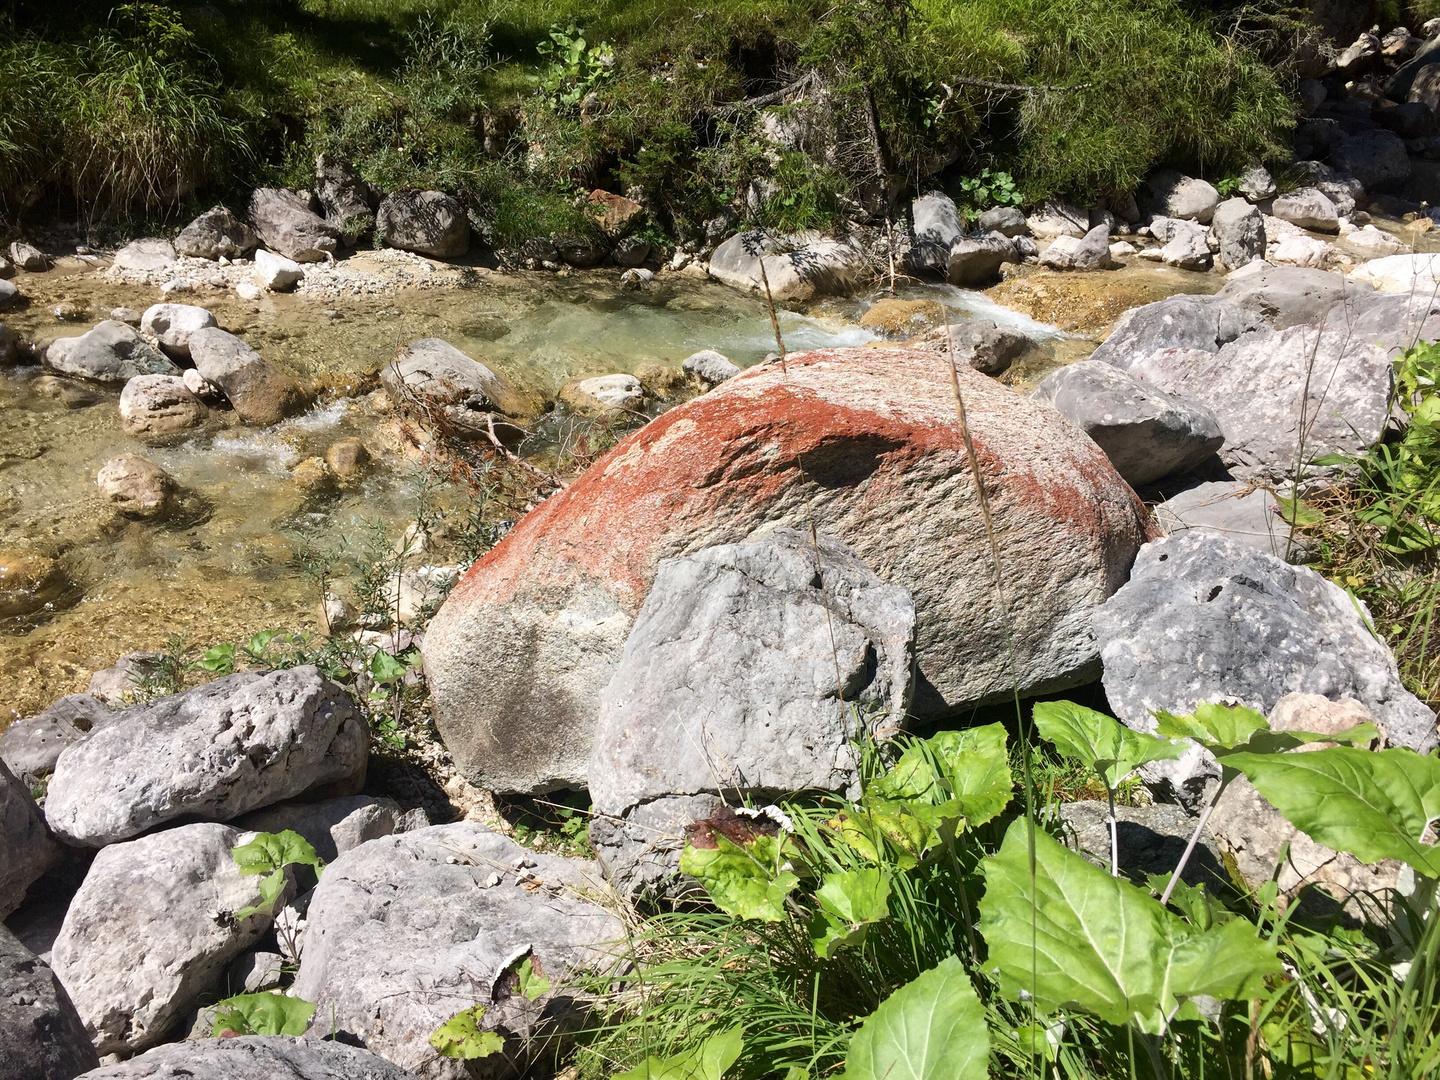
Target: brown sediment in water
(1088,303)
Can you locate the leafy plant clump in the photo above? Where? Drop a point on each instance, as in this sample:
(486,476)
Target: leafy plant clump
(918,933)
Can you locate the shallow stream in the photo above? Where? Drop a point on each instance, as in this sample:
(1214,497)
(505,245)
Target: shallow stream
(227,567)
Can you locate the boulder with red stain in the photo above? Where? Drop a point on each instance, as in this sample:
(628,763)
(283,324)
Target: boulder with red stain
(863,444)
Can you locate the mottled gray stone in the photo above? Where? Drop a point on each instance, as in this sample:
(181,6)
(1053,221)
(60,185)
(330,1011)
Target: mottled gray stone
(332,826)
(216,751)
(152,929)
(1089,252)
(215,234)
(710,367)
(1308,208)
(1151,840)
(173,324)
(1146,433)
(287,224)
(729,677)
(254,1057)
(797,267)
(1009,220)
(1178,322)
(158,406)
(405,931)
(1239,232)
(425,222)
(30,747)
(937,228)
(1288,296)
(110,353)
(1054,219)
(1206,619)
(41,1034)
(1235,509)
(1256,184)
(260,392)
(1183,197)
(348,201)
(26,850)
(1392,321)
(433,374)
(1257,385)
(1375,158)
(976,260)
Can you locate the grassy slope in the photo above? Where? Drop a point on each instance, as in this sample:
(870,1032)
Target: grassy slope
(196,99)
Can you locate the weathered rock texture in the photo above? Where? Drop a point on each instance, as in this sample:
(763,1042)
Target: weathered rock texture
(751,669)
(173,324)
(236,744)
(1206,619)
(254,1057)
(518,654)
(1282,398)
(110,353)
(30,747)
(332,826)
(41,1034)
(1178,322)
(407,930)
(151,929)
(1293,295)
(426,222)
(797,268)
(260,392)
(288,224)
(26,850)
(433,374)
(215,234)
(158,406)
(1146,433)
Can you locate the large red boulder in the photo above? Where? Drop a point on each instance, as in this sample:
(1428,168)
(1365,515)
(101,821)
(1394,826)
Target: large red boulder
(865,444)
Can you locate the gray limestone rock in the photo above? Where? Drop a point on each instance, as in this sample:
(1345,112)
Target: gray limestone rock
(710,367)
(215,234)
(1308,208)
(152,929)
(158,406)
(1392,321)
(260,392)
(116,685)
(1151,840)
(1283,398)
(1234,509)
(1009,220)
(348,201)
(1257,184)
(1206,619)
(26,850)
(111,352)
(332,826)
(1147,434)
(151,253)
(797,267)
(729,678)
(174,324)
(1178,322)
(1376,158)
(285,221)
(937,228)
(1292,295)
(1183,197)
(405,931)
(433,374)
(217,751)
(425,222)
(41,1035)
(30,747)
(137,487)
(1239,233)
(254,1057)
(976,260)
(1089,252)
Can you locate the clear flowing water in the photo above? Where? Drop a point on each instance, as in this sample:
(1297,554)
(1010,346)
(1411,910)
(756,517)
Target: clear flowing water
(226,567)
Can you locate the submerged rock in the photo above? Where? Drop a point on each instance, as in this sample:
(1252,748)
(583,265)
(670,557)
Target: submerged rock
(519,652)
(1147,434)
(406,930)
(153,928)
(41,1034)
(111,352)
(28,581)
(751,671)
(1206,619)
(236,744)
(136,486)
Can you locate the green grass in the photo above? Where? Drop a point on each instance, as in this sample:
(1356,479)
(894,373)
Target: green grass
(151,110)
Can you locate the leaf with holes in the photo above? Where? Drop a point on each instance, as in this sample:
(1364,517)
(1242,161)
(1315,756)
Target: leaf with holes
(462,1037)
(1081,939)
(932,1028)
(1373,804)
(1101,742)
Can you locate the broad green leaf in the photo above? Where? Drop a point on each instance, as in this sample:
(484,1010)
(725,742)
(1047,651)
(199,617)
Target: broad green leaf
(1102,945)
(1215,727)
(748,882)
(218,659)
(531,984)
(849,902)
(1100,742)
(386,669)
(259,643)
(271,851)
(708,1061)
(462,1037)
(262,1014)
(1373,804)
(932,1028)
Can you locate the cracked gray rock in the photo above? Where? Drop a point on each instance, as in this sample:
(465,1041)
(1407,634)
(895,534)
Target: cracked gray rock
(41,1035)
